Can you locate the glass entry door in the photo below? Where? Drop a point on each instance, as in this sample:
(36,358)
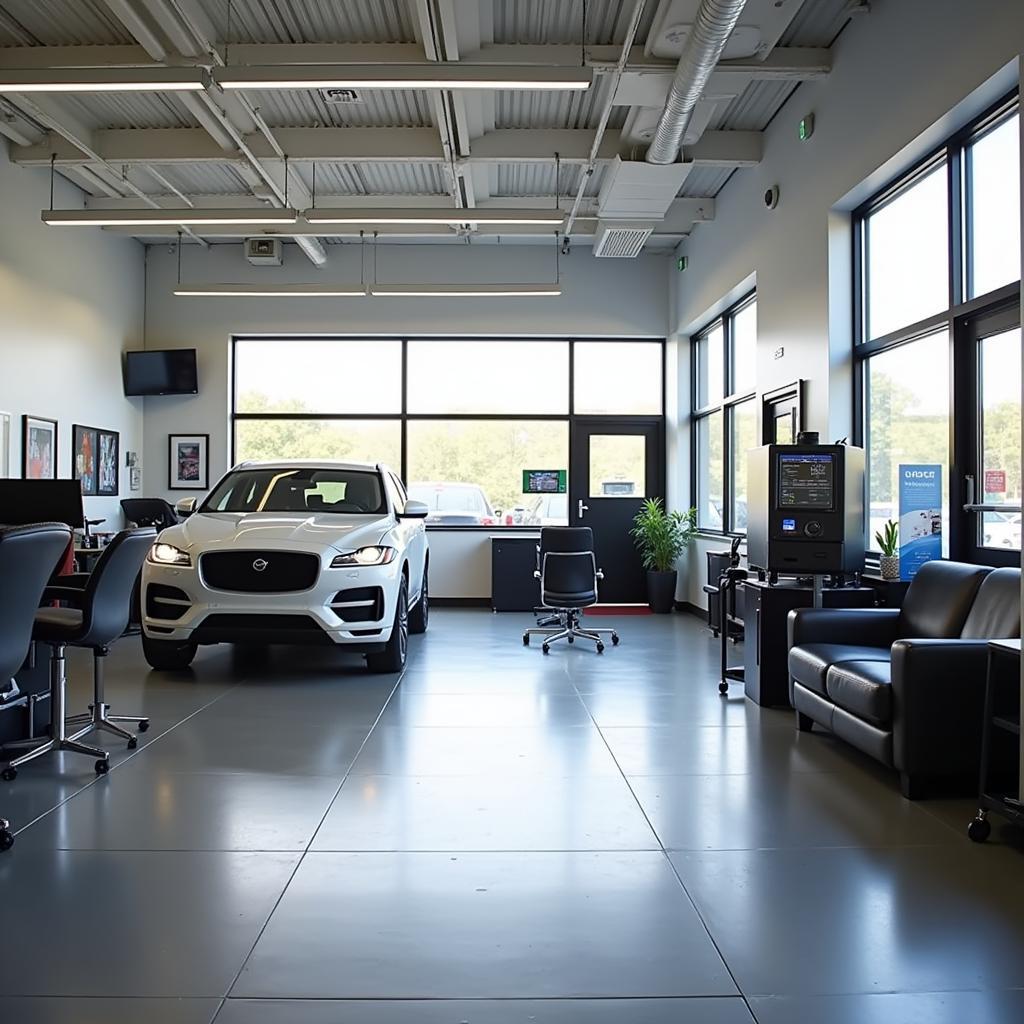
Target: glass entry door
(992,524)
(615,464)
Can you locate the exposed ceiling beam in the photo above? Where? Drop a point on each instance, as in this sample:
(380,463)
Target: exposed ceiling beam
(372,145)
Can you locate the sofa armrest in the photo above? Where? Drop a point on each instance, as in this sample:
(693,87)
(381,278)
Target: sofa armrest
(938,694)
(873,627)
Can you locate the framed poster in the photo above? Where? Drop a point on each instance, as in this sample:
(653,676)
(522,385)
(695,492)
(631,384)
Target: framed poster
(83,456)
(108,462)
(5,444)
(189,462)
(38,448)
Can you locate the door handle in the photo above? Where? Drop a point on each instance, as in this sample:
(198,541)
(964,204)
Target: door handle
(581,508)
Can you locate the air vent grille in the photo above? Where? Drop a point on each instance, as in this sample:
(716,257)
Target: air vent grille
(622,241)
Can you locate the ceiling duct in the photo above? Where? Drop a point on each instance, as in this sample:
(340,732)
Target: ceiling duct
(704,46)
(622,240)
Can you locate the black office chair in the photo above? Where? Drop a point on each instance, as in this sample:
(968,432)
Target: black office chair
(568,577)
(28,556)
(98,617)
(153,512)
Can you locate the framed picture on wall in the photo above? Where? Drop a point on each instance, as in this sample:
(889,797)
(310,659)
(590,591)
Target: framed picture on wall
(189,462)
(84,442)
(38,448)
(6,465)
(108,462)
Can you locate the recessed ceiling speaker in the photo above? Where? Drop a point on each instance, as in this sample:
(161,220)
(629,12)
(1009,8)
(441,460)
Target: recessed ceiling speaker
(771,197)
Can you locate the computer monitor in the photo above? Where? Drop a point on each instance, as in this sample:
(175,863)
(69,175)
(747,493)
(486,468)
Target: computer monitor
(41,501)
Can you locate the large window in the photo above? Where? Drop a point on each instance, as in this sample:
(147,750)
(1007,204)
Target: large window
(460,419)
(937,274)
(724,416)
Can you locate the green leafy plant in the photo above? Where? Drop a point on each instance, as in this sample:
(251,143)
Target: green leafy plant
(661,536)
(887,539)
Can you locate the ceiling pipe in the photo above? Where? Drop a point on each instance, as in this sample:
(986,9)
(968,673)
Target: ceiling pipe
(606,113)
(701,52)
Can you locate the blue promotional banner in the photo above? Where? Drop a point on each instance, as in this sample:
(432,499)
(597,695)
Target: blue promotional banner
(920,516)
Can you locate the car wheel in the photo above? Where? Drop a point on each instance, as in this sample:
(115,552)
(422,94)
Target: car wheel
(168,655)
(392,658)
(419,616)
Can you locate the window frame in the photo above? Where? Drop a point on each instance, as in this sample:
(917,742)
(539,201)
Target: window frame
(955,319)
(727,406)
(404,417)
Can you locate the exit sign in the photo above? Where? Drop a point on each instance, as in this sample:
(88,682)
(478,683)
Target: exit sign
(995,481)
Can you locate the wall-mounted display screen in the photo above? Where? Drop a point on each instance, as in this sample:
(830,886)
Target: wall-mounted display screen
(168,372)
(545,481)
(41,501)
(806,481)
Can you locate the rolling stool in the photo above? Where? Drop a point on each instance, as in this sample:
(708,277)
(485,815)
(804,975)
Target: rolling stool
(100,615)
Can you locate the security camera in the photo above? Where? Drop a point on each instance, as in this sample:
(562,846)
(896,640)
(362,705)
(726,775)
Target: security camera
(771,197)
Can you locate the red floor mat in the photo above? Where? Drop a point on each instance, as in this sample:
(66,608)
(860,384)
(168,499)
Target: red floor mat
(618,609)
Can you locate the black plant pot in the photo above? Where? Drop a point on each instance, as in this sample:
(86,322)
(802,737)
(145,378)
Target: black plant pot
(661,590)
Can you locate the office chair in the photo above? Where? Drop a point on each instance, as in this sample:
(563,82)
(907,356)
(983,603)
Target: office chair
(153,512)
(28,555)
(99,615)
(568,577)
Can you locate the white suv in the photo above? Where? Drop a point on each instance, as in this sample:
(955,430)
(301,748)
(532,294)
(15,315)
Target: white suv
(291,552)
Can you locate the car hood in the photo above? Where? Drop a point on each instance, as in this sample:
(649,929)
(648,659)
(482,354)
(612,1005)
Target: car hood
(211,530)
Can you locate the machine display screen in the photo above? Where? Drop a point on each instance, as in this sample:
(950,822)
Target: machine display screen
(806,481)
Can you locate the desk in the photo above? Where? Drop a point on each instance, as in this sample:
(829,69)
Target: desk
(766,648)
(513,561)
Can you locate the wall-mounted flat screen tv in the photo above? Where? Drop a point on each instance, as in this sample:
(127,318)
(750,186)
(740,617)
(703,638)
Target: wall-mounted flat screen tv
(155,372)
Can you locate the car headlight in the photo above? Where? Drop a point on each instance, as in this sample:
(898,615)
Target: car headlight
(364,556)
(168,554)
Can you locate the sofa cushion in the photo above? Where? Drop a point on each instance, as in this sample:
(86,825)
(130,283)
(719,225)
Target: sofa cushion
(809,663)
(995,614)
(938,600)
(864,688)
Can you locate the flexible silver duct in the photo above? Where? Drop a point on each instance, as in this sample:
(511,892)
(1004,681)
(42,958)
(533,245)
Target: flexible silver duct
(711,30)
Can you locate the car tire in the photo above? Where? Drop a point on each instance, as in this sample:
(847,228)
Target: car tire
(392,658)
(168,655)
(419,617)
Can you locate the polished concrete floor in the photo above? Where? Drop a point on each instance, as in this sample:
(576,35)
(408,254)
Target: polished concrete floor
(498,837)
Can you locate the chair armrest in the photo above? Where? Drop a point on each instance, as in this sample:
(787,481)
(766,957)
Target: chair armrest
(938,693)
(79,580)
(874,627)
(70,595)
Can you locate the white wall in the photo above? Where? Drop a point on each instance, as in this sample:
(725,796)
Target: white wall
(71,302)
(602,298)
(897,89)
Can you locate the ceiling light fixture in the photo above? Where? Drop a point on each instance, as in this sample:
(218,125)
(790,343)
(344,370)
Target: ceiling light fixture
(405,76)
(189,217)
(463,290)
(155,79)
(462,215)
(278,291)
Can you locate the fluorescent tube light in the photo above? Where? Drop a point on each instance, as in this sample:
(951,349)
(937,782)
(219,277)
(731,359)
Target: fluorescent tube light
(464,290)
(462,215)
(404,76)
(155,79)
(189,217)
(271,291)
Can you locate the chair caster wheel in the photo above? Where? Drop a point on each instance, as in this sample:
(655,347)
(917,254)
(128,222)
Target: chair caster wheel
(144,725)
(723,688)
(979,830)
(6,840)
(133,743)
(600,648)
(615,639)
(102,766)
(10,774)
(546,648)
(526,639)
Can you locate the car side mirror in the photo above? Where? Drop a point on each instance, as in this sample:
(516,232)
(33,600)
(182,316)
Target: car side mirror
(414,510)
(185,507)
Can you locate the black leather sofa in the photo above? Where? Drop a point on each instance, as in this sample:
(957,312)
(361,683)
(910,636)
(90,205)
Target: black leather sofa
(907,685)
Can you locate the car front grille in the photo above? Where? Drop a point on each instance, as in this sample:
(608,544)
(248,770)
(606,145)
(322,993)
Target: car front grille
(259,572)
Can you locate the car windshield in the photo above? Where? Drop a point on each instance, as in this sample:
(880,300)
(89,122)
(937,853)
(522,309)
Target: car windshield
(450,498)
(339,491)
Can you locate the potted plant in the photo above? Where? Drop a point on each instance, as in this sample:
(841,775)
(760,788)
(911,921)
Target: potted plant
(889,563)
(661,537)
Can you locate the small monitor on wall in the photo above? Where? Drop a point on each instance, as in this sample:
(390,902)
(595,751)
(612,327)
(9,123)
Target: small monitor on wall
(41,501)
(161,372)
(544,481)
